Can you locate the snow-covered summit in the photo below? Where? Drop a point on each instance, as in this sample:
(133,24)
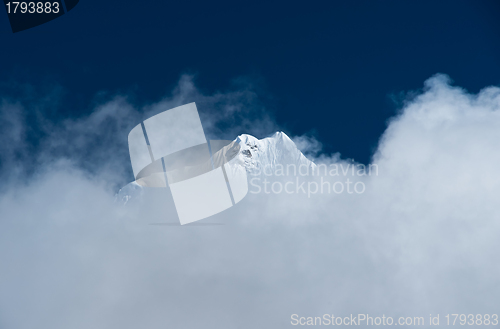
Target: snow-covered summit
(255,155)
(268,152)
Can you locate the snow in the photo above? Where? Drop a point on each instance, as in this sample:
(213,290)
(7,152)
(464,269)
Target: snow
(268,152)
(255,155)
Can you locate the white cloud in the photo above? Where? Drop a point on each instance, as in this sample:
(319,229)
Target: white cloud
(308,145)
(422,239)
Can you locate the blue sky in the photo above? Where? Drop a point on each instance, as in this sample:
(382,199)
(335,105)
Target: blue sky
(359,78)
(333,69)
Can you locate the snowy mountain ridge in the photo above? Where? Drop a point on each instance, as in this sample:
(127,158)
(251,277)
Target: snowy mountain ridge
(255,155)
(268,152)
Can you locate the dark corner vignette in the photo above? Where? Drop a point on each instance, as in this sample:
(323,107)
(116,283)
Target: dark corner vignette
(24,15)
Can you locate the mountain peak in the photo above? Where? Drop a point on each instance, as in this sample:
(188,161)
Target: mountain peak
(255,154)
(268,152)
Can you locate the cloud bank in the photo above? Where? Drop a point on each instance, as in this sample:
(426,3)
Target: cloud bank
(422,239)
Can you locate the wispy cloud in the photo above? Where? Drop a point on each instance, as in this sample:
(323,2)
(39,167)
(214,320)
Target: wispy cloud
(422,239)
(97,142)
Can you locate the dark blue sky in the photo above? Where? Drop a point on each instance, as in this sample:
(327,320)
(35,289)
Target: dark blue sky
(328,67)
